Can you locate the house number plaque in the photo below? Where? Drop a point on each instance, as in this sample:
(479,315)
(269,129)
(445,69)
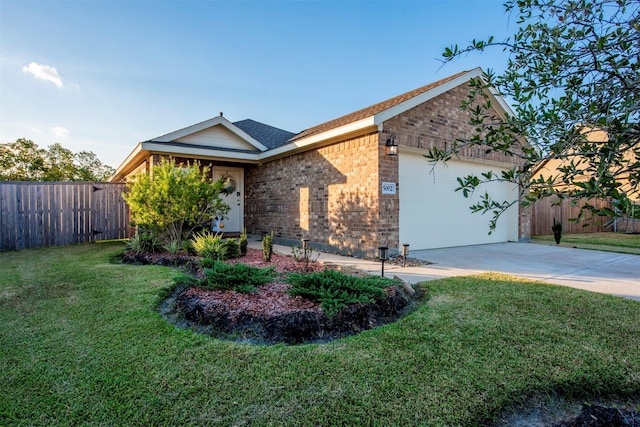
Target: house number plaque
(388,188)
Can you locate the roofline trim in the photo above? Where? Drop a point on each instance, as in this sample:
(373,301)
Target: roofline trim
(319,137)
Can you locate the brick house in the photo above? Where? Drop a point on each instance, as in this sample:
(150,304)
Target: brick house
(338,185)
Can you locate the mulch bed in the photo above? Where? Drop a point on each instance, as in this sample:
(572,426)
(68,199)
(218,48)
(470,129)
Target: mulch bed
(270,315)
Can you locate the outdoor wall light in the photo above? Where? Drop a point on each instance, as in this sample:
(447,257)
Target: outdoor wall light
(392,147)
(383,256)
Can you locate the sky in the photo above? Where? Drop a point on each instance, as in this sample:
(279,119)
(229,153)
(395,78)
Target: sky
(102,76)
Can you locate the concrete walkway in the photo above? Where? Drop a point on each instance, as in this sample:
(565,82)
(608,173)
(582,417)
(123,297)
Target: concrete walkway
(604,272)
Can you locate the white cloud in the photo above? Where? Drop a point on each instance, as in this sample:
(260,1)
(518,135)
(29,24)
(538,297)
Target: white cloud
(44,72)
(60,132)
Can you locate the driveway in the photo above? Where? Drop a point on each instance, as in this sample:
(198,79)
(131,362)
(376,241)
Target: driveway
(604,272)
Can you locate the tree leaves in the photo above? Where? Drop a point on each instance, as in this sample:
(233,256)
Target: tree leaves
(574,82)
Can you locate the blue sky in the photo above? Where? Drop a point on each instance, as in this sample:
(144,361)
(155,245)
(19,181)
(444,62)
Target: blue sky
(104,75)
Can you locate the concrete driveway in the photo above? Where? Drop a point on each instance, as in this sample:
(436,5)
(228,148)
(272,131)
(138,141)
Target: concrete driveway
(604,272)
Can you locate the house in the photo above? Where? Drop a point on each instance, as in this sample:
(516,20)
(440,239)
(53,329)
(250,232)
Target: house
(546,210)
(340,185)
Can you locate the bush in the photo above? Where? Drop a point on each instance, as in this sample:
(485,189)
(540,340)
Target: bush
(237,277)
(335,290)
(145,242)
(173,247)
(209,245)
(178,200)
(244,242)
(232,249)
(267,247)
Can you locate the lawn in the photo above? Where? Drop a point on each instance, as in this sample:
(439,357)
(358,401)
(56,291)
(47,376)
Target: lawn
(82,344)
(606,241)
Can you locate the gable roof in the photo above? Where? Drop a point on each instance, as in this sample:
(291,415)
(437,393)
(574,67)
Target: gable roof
(375,109)
(271,137)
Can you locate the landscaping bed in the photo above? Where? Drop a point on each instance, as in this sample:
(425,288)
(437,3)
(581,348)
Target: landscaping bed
(270,315)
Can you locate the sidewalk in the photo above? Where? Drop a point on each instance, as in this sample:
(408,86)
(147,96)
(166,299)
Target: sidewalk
(603,272)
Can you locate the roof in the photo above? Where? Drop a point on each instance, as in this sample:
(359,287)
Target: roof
(269,136)
(373,109)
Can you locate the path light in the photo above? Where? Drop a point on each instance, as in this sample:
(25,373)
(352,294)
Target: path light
(305,243)
(405,252)
(383,256)
(392,147)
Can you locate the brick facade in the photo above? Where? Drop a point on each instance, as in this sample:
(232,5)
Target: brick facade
(330,195)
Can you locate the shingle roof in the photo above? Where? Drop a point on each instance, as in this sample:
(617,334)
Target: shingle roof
(269,136)
(373,109)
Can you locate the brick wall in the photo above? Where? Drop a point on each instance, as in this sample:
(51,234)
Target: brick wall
(330,196)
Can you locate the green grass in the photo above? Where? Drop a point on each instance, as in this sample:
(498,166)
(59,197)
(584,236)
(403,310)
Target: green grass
(611,242)
(82,344)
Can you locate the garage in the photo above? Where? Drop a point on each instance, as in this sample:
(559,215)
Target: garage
(434,215)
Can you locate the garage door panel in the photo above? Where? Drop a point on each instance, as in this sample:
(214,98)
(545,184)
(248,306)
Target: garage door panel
(433,214)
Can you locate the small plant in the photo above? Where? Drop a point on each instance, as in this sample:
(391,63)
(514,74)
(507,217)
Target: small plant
(144,242)
(173,247)
(335,290)
(238,277)
(209,245)
(244,242)
(232,249)
(305,257)
(557,230)
(187,246)
(267,247)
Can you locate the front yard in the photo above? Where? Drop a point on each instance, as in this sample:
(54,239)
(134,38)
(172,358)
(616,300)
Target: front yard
(81,343)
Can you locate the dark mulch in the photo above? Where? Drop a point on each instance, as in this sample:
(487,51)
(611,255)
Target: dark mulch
(600,416)
(270,315)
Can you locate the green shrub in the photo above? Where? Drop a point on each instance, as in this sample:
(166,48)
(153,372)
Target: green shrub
(144,242)
(237,277)
(179,199)
(267,247)
(232,249)
(335,290)
(173,247)
(244,242)
(209,245)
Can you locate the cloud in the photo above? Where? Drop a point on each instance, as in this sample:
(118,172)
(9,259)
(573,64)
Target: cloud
(44,72)
(60,132)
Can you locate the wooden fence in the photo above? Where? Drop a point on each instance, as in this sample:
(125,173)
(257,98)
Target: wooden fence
(543,212)
(39,214)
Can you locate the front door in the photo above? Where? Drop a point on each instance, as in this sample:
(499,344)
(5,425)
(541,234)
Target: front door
(233,221)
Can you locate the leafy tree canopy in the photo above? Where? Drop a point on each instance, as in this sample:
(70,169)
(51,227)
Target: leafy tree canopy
(173,200)
(22,160)
(572,76)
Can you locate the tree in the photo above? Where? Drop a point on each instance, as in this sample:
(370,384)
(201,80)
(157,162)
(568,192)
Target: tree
(573,71)
(174,199)
(22,160)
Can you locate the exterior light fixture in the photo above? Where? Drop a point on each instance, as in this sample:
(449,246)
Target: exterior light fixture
(383,256)
(405,252)
(392,146)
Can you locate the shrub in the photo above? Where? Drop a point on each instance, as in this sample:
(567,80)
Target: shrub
(267,247)
(144,242)
(209,245)
(232,249)
(335,290)
(238,277)
(173,247)
(244,242)
(304,257)
(176,201)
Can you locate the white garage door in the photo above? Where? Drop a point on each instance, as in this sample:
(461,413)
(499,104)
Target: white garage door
(433,215)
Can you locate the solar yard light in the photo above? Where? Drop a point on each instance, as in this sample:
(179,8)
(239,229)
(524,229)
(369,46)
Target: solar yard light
(383,256)
(405,252)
